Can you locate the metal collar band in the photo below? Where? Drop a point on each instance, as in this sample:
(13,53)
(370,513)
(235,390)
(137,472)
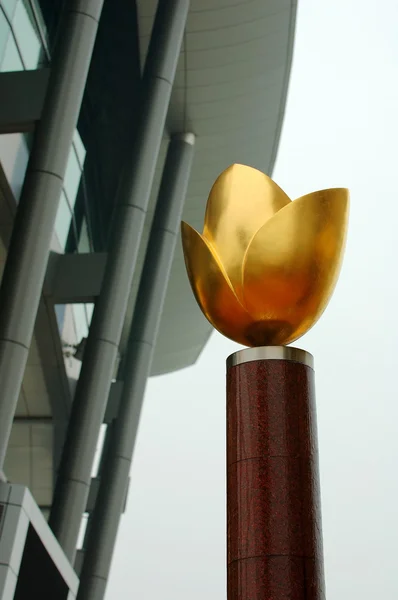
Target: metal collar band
(271,353)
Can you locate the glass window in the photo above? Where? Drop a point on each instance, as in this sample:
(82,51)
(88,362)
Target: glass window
(27,37)
(60,310)
(4,33)
(81,326)
(63,221)
(89,312)
(39,22)
(11,58)
(14,156)
(72,177)
(84,240)
(79,147)
(9,7)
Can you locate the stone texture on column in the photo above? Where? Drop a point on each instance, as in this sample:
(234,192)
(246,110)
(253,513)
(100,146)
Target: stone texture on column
(274,539)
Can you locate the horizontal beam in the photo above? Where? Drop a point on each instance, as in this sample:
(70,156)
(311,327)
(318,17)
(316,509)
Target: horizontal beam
(74,278)
(39,420)
(22,99)
(93,494)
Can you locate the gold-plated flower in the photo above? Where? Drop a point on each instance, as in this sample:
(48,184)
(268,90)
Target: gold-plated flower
(265,268)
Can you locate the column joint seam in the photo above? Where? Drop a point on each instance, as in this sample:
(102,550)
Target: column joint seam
(81,12)
(101,339)
(80,481)
(270,555)
(134,206)
(14,342)
(268,456)
(47,172)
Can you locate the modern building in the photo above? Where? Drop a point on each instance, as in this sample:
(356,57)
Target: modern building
(116,117)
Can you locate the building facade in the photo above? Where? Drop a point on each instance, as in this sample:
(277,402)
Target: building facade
(115,119)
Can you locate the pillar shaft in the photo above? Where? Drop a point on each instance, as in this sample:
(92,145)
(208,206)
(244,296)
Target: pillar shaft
(102,345)
(143,333)
(34,222)
(274,543)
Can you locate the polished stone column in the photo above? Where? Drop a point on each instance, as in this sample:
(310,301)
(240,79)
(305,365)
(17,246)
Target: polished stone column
(274,539)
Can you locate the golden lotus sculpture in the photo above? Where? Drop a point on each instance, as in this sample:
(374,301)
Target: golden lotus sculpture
(265,267)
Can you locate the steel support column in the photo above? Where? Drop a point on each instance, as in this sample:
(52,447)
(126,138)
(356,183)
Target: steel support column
(34,222)
(142,340)
(102,346)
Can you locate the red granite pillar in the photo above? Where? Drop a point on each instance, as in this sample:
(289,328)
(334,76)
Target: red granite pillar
(274,543)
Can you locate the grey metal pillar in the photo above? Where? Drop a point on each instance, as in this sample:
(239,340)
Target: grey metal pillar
(142,339)
(93,387)
(34,222)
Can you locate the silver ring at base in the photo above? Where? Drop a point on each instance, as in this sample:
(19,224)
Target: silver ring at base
(271,353)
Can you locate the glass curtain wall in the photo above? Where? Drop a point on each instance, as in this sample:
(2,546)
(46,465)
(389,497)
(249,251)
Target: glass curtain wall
(24,45)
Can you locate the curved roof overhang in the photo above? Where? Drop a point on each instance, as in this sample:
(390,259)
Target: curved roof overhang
(230,90)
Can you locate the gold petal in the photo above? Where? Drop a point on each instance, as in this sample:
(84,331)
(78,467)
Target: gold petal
(292,264)
(211,287)
(240,202)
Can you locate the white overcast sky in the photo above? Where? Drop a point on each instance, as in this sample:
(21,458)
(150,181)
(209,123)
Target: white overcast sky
(341,129)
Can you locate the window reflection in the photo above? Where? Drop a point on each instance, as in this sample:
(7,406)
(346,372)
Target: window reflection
(72,177)
(80,317)
(84,240)
(4,33)
(9,7)
(80,149)
(22,48)
(11,57)
(27,37)
(14,156)
(60,310)
(73,322)
(63,221)
(89,312)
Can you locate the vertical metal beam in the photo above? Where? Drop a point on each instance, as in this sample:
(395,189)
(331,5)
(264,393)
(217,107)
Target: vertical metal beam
(102,346)
(142,340)
(30,242)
